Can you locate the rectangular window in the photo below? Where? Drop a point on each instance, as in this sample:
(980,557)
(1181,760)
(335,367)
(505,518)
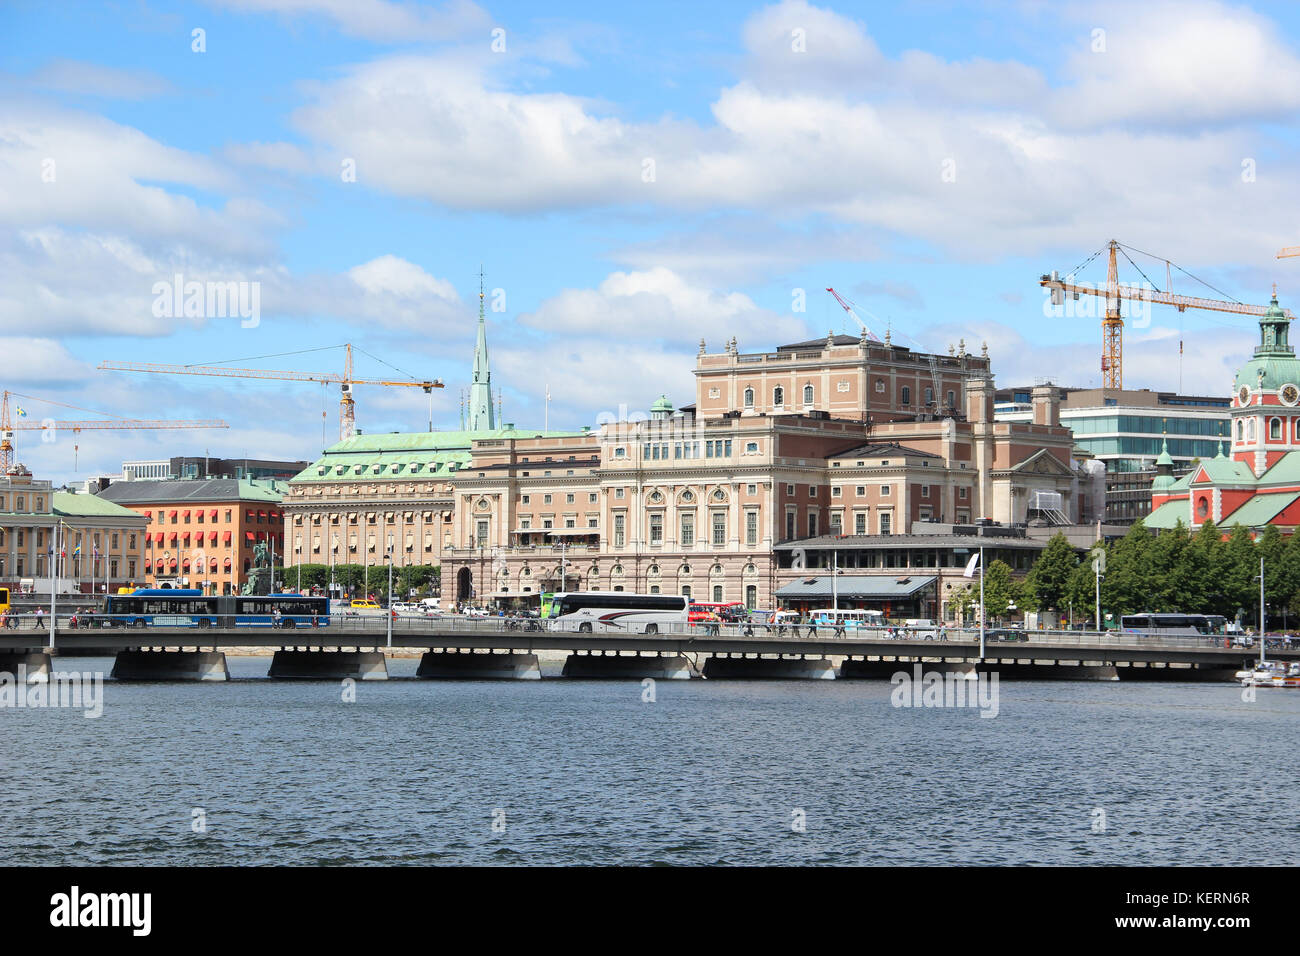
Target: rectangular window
(719,529)
(812,525)
(885,491)
(861,491)
(860,523)
(568,499)
(523,499)
(925,491)
(618,492)
(835,491)
(688,531)
(907,395)
(789,525)
(751,529)
(546,499)
(812,491)
(886,523)
(961,492)
(751,489)
(656,529)
(789,491)
(836,523)
(620,525)
(482,535)
(591,498)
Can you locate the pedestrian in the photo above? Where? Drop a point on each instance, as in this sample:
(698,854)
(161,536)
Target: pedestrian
(839,628)
(812,626)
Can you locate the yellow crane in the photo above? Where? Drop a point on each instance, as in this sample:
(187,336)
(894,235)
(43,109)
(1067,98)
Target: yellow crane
(8,426)
(345,380)
(1112,325)
(1289,252)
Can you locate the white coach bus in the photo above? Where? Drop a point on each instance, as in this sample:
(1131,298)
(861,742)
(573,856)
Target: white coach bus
(619,611)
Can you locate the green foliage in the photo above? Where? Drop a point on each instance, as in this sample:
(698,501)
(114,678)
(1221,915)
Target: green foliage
(1047,585)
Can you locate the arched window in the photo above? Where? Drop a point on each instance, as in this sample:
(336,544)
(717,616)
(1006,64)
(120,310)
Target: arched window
(749,398)
(1275,429)
(1241,430)
(778,396)
(1250,430)
(807,394)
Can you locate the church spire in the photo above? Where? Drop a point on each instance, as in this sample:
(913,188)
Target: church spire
(481,417)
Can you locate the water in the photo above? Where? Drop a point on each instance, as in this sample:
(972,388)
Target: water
(712,772)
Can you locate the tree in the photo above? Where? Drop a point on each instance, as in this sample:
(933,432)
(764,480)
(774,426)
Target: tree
(1128,582)
(1047,585)
(1166,571)
(1206,550)
(1000,590)
(1238,572)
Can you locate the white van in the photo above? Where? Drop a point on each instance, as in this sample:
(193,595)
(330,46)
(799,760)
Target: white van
(921,629)
(430,604)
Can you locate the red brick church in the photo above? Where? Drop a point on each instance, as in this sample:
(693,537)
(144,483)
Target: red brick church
(1260,483)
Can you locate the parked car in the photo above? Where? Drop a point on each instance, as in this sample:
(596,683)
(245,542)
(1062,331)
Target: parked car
(1005,634)
(365,605)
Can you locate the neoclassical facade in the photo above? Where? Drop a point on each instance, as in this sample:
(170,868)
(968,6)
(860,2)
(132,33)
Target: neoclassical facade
(695,502)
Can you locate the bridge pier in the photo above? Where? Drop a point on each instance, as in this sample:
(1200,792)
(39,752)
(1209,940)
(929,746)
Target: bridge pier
(35,665)
(328,665)
(466,665)
(170,665)
(757,667)
(605,666)
(1007,668)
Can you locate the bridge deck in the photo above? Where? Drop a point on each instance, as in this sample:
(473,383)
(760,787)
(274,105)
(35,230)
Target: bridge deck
(490,636)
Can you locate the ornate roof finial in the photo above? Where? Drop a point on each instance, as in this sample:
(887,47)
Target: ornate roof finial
(830,337)
(961,347)
(985,349)
(887,345)
(701,346)
(952,349)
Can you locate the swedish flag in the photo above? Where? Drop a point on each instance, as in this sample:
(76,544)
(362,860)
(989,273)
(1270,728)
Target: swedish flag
(22,412)
(76,552)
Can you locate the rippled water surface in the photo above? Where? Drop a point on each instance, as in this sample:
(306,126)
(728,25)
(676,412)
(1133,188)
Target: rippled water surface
(712,772)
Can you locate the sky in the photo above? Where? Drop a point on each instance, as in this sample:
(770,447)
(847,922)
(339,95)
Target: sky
(630,179)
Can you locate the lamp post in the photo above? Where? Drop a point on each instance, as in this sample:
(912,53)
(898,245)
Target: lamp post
(389,609)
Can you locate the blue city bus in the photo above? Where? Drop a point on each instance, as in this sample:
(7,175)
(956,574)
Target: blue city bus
(181,607)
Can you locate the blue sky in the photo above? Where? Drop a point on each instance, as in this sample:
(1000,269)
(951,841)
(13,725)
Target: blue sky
(929,160)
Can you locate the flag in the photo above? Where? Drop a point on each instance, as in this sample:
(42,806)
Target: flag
(971,565)
(22,412)
(76,552)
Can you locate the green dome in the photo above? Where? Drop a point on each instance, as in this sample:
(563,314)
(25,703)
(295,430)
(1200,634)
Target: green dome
(662,404)
(1162,482)
(1274,363)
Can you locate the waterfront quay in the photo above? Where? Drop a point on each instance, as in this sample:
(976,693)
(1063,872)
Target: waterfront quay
(494,649)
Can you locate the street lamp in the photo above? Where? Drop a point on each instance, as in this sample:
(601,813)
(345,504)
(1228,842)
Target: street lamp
(389,609)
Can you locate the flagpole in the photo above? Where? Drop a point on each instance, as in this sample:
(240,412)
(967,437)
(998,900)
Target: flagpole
(981,603)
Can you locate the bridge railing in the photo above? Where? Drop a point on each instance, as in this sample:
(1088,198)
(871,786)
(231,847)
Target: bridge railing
(997,640)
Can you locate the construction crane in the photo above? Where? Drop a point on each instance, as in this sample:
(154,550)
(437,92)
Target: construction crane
(345,380)
(1112,326)
(1289,252)
(849,309)
(8,426)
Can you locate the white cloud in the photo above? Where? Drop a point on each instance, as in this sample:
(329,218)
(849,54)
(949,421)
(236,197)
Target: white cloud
(93,79)
(658,304)
(381,20)
(981,159)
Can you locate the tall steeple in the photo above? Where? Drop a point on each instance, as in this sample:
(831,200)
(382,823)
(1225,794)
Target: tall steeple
(481,417)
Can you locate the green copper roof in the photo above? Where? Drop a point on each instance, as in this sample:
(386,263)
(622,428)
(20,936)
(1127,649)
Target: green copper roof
(89,506)
(1260,509)
(401,455)
(662,404)
(1169,514)
(1226,471)
(1182,484)
(1286,470)
(1165,458)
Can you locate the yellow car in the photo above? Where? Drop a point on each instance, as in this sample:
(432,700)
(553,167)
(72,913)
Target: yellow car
(365,606)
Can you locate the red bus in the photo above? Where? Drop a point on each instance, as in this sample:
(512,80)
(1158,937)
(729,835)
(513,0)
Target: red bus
(728,613)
